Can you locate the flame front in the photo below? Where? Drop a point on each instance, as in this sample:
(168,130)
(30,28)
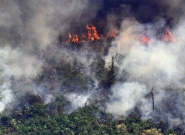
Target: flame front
(167,37)
(92,35)
(73,39)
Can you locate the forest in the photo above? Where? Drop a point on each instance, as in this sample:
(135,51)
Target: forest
(32,115)
(92,67)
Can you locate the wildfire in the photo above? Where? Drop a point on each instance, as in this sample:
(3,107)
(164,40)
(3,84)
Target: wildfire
(167,37)
(143,39)
(73,39)
(92,35)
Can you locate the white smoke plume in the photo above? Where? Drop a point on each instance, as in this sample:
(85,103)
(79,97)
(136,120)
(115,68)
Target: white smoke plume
(158,65)
(125,97)
(77,100)
(6,95)
(14,63)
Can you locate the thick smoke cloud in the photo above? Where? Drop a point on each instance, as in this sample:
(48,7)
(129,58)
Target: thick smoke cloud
(28,31)
(125,97)
(144,11)
(158,66)
(28,38)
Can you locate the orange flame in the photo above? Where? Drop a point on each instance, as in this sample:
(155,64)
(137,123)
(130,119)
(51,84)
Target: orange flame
(95,33)
(92,33)
(143,39)
(73,39)
(168,37)
(89,35)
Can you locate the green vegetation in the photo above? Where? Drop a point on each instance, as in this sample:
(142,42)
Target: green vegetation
(89,120)
(31,116)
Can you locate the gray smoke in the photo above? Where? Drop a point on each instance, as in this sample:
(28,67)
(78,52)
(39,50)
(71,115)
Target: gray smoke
(28,38)
(158,65)
(28,31)
(124,97)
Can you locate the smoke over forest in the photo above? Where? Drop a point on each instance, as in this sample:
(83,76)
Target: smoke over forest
(120,75)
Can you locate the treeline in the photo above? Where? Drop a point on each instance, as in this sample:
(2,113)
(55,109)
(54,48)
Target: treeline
(32,116)
(41,119)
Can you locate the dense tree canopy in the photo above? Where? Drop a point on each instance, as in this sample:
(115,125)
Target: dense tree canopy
(89,120)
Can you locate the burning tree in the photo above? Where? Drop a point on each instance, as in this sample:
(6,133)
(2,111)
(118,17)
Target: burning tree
(92,33)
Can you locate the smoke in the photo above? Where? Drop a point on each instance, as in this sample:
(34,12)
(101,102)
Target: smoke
(14,63)
(158,65)
(144,11)
(77,101)
(125,97)
(52,18)
(29,31)
(6,95)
